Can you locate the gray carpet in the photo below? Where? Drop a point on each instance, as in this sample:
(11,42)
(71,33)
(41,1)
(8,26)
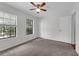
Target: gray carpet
(42,47)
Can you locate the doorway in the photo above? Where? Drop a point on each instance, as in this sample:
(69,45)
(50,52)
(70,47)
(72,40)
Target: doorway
(73,29)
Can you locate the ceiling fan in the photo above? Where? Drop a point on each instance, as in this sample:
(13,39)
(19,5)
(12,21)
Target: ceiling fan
(38,7)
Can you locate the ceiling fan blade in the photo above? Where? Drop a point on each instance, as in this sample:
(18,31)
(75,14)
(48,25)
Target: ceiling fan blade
(33,4)
(43,4)
(32,9)
(43,9)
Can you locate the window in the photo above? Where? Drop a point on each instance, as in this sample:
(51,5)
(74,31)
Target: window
(29,24)
(7,25)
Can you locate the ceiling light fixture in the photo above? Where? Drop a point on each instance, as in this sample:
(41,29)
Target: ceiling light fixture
(38,10)
(38,7)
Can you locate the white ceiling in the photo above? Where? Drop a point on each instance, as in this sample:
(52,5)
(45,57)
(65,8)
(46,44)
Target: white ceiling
(55,8)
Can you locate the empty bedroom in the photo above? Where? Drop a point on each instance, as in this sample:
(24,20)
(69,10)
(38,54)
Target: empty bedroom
(39,28)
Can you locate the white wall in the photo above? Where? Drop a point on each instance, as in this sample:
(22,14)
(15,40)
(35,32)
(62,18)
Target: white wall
(20,29)
(56,27)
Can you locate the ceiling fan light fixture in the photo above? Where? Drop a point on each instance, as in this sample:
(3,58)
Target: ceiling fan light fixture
(38,10)
(38,7)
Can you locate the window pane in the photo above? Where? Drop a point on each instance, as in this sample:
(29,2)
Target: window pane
(1,14)
(7,25)
(13,22)
(13,30)
(1,28)
(7,21)
(1,21)
(7,31)
(29,29)
(1,31)
(6,15)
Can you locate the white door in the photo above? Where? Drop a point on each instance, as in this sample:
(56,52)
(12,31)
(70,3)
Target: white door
(65,29)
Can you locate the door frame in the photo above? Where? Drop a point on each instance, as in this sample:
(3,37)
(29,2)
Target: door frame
(73,29)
